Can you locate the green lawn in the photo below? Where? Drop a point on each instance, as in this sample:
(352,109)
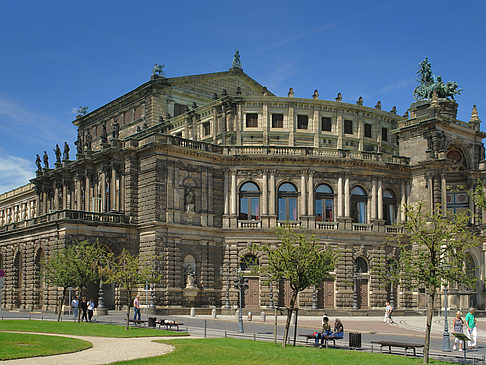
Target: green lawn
(19,345)
(83,329)
(232,351)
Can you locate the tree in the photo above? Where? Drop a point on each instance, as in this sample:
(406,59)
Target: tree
(127,271)
(73,266)
(298,259)
(432,251)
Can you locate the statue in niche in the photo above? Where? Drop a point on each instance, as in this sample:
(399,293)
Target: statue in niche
(38,163)
(88,140)
(116,129)
(79,143)
(190,278)
(189,198)
(66,151)
(104,134)
(46,160)
(57,151)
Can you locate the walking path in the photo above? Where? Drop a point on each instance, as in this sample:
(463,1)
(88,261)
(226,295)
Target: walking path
(105,350)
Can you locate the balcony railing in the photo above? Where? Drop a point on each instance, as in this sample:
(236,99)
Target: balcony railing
(362,227)
(327,226)
(250,224)
(393,229)
(291,224)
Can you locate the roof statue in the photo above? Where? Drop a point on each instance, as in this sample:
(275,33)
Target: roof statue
(57,151)
(38,163)
(429,84)
(65,155)
(81,111)
(158,70)
(236,60)
(46,160)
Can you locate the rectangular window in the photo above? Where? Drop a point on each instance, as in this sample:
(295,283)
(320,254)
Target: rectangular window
(326,124)
(206,129)
(348,126)
(277,120)
(384,134)
(302,121)
(252,120)
(367,131)
(179,109)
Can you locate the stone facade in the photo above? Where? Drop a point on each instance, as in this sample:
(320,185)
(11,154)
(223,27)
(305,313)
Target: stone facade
(197,169)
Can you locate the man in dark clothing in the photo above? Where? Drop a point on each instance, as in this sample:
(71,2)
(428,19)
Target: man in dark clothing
(84,307)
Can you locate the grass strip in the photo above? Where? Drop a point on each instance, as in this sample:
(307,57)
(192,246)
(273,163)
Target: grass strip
(83,329)
(235,351)
(21,345)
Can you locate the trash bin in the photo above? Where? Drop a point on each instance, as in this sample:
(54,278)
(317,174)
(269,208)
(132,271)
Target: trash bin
(354,339)
(151,322)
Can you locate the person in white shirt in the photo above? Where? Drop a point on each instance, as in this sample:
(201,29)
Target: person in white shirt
(74,307)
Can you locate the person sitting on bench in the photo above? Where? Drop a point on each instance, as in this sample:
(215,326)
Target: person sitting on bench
(338,331)
(326,331)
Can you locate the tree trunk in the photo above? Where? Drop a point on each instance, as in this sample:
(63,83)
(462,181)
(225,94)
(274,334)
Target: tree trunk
(289,317)
(80,298)
(60,304)
(129,294)
(430,313)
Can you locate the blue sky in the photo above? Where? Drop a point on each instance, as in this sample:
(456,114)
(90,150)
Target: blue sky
(57,55)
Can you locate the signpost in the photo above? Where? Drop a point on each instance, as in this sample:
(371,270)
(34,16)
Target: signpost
(2,282)
(463,338)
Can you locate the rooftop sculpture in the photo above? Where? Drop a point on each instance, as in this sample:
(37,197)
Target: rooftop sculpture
(236,60)
(429,83)
(158,70)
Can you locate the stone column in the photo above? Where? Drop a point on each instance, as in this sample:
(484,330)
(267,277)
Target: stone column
(186,128)
(87,195)
(215,124)
(272,187)
(303,194)
(78,193)
(316,128)
(122,191)
(113,206)
(233,192)
(103,191)
(361,134)
(265,193)
(239,123)
(226,193)
(44,202)
(310,194)
(373,198)
(380,199)
(56,197)
(64,196)
(340,197)
(340,131)
(291,126)
(347,198)
(265,123)
(403,202)
(223,124)
(444,195)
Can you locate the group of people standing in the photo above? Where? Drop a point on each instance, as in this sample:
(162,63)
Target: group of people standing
(466,326)
(327,333)
(87,309)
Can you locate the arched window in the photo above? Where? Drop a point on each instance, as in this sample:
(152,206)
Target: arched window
(249,202)
(358,204)
(457,198)
(248,262)
(361,265)
(287,202)
(389,207)
(324,203)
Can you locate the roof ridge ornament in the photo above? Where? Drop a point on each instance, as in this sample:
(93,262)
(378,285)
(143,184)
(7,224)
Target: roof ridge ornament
(429,84)
(158,70)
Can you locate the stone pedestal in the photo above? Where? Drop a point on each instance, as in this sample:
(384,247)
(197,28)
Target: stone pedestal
(190,295)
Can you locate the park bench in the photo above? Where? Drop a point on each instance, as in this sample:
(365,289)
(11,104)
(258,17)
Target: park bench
(403,345)
(311,336)
(137,321)
(168,324)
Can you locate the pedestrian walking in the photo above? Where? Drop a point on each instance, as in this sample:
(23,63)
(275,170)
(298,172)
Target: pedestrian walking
(136,307)
(74,307)
(91,306)
(84,307)
(471,329)
(388,313)
(458,325)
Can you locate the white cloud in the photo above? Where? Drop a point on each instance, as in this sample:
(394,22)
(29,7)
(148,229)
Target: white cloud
(14,172)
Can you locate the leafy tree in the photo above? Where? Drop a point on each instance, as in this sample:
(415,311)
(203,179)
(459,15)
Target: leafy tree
(73,266)
(432,251)
(127,271)
(298,259)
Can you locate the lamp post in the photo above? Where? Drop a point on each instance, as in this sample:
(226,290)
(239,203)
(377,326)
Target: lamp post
(446,337)
(241,285)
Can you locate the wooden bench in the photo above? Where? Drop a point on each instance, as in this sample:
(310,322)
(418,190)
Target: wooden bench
(403,345)
(137,321)
(311,336)
(168,324)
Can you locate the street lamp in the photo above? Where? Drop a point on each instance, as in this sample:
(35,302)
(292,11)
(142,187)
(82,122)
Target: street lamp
(241,285)
(446,338)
